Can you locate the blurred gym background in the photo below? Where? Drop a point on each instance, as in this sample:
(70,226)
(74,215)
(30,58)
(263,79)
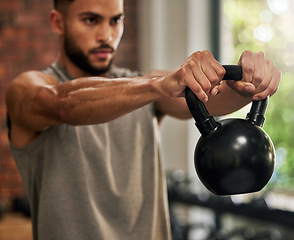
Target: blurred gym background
(160,34)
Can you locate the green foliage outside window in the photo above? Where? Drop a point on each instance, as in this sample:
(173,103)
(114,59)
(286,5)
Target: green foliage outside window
(268,25)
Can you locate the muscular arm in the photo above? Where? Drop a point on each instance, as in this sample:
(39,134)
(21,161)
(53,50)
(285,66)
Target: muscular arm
(99,100)
(36,101)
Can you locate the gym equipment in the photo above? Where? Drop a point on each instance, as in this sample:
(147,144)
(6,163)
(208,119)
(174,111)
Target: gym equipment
(232,156)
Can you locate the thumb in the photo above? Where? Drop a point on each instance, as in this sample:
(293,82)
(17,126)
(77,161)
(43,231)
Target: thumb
(241,87)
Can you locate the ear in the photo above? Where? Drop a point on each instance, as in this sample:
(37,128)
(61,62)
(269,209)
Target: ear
(56,22)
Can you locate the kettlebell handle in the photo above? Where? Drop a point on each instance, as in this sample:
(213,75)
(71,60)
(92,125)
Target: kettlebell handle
(205,122)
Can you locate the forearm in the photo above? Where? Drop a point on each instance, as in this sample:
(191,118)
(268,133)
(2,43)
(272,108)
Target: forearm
(99,100)
(226,102)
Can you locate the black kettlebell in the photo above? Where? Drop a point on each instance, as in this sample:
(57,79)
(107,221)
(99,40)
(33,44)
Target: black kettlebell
(233,156)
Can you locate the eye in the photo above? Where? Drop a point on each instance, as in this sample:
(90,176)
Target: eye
(117,20)
(90,20)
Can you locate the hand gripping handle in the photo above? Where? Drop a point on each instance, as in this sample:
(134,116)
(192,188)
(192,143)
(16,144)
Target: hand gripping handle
(205,122)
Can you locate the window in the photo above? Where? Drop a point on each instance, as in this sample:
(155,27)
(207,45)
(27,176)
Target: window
(267,25)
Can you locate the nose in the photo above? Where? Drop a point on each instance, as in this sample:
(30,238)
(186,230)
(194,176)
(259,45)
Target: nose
(104,33)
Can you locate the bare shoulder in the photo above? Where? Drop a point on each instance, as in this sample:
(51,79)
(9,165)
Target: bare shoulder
(28,99)
(26,83)
(34,78)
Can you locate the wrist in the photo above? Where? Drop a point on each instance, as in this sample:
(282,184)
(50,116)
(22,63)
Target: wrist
(157,83)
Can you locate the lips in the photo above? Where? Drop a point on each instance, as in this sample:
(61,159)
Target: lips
(103,53)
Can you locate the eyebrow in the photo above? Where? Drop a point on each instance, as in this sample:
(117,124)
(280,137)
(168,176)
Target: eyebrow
(121,15)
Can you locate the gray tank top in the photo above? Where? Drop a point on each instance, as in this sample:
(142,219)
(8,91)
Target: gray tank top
(98,181)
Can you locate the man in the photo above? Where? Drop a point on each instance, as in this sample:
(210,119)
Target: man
(84,132)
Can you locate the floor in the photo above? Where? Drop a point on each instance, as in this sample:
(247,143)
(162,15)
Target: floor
(15,227)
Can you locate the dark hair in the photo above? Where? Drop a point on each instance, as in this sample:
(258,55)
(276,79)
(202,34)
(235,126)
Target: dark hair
(60,4)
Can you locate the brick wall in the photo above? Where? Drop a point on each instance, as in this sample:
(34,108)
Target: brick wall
(27,43)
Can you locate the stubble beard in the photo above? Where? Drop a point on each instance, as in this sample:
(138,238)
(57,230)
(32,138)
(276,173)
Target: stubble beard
(81,60)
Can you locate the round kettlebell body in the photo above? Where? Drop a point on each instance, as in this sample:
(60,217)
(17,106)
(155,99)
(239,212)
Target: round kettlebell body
(233,156)
(237,157)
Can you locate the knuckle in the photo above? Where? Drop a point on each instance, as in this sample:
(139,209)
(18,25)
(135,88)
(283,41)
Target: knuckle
(213,80)
(192,63)
(220,72)
(197,89)
(269,63)
(206,52)
(258,78)
(261,55)
(246,52)
(248,69)
(198,55)
(206,86)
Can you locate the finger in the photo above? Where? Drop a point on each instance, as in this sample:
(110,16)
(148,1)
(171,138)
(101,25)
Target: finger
(247,66)
(243,88)
(212,69)
(188,77)
(265,82)
(196,89)
(215,90)
(207,72)
(217,67)
(260,69)
(201,73)
(271,81)
(272,87)
(262,95)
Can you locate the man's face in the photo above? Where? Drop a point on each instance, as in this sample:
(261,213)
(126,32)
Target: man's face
(93,29)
